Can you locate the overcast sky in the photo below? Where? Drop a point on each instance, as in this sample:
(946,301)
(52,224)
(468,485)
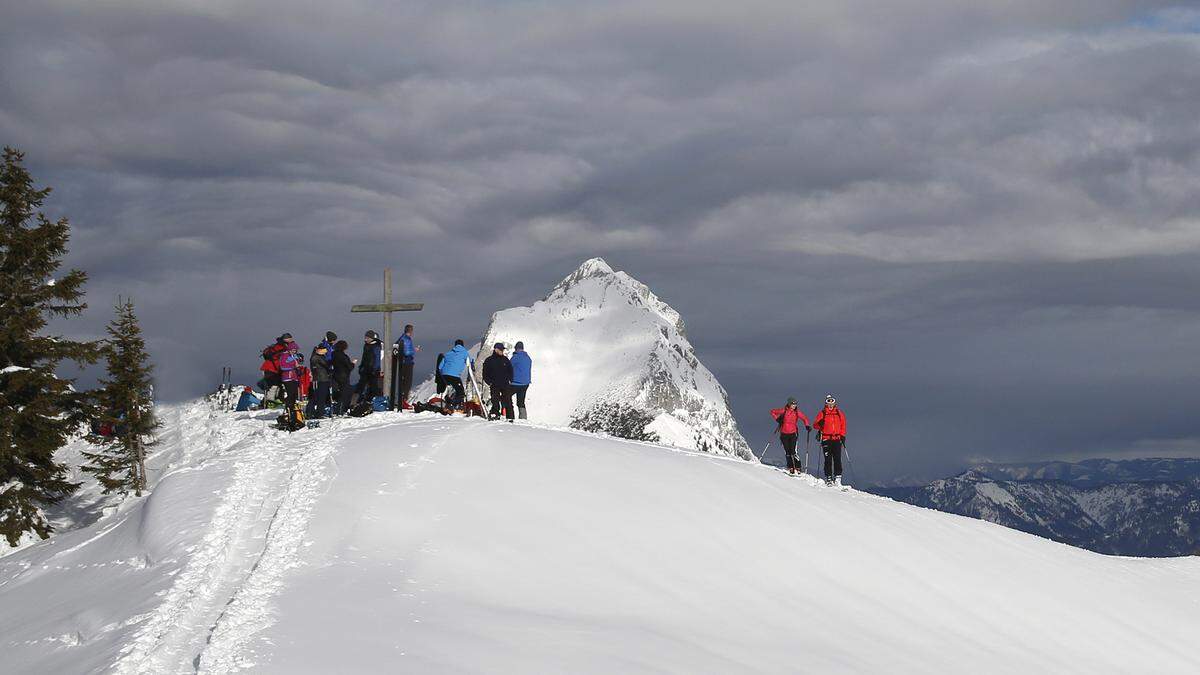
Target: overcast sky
(977,223)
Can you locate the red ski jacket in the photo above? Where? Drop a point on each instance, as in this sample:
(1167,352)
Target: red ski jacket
(788,424)
(831,423)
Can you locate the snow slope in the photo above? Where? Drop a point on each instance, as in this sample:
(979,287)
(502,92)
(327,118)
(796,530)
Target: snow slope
(431,544)
(603,339)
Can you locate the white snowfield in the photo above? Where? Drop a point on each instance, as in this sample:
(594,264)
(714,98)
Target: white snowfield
(417,543)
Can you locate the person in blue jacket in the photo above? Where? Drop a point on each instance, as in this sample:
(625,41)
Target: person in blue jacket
(454,364)
(522,367)
(405,353)
(328,345)
(247,400)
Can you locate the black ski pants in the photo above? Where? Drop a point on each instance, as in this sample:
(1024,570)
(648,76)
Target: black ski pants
(789,449)
(502,396)
(406,372)
(368,387)
(519,391)
(344,392)
(318,398)
(833,457)
(291,394)
(457,384)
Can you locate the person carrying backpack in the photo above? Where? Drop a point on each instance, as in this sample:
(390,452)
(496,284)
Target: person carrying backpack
(522,369)
(322,380)
(328,343)
(790,418)
(342,366)
(370,368)
(454,364)
(269,367)
(498,374)
(830,424)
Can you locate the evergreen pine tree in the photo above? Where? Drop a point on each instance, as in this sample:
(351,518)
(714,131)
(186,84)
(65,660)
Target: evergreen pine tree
(125,408)
(38,410)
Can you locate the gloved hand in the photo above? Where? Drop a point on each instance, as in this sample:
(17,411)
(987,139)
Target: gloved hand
(807,428)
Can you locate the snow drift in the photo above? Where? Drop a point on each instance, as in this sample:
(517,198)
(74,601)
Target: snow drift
(609,354)
(431,544)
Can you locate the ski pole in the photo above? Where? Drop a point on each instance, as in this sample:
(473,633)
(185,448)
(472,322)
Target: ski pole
(768,445)
(807,443)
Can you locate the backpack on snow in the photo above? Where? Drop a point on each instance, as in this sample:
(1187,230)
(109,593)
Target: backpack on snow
(361,409)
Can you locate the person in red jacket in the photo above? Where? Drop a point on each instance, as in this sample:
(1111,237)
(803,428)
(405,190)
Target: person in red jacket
(789,418)
(831,431)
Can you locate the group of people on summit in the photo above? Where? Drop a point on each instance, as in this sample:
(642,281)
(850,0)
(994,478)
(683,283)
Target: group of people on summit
(830,425)
(324,379)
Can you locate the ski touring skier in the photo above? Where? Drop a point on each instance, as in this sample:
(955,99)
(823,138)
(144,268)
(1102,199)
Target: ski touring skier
(498,375)
(405,353)
(271,383)
(454,364)
(522,376)
(790,419)
(830,424)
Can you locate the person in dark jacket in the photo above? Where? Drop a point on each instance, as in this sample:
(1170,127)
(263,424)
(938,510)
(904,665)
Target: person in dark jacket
(404,353)
(498,374)
(342,365)
(370,368)
(522,367)
(322,380)
(439,380)
(789,418)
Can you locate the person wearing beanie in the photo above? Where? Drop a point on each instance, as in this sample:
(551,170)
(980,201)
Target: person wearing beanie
(498,374)
(789,418)
(522,368)
(322,376)
(289,362)
(370,368)
(328,343)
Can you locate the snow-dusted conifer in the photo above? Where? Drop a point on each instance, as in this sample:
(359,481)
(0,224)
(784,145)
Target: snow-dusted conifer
(38,410)
(125,408)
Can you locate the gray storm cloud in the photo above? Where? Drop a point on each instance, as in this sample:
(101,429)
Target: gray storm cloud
(961,215)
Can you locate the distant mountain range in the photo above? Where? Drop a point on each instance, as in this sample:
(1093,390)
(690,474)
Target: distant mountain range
(1139,507)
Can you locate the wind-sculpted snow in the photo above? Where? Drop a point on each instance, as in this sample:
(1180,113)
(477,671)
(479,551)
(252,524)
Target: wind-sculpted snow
(602,339)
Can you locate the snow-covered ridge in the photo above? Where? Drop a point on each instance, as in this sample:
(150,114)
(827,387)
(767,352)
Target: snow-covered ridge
(430,544)
(601,339)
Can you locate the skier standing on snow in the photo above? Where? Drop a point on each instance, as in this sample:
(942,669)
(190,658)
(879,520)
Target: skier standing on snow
(328,343)
(830,424)
(405,352)
(343,365)
(498,374)
(522,367)
(370,368)
(789,418)
(454,364)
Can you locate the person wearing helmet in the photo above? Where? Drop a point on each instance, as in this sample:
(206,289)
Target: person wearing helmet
(789,418)
(830,424)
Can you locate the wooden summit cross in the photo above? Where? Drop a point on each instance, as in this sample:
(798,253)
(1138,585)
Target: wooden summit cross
(387,308)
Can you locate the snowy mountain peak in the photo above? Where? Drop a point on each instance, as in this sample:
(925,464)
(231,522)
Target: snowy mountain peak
(609,355)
